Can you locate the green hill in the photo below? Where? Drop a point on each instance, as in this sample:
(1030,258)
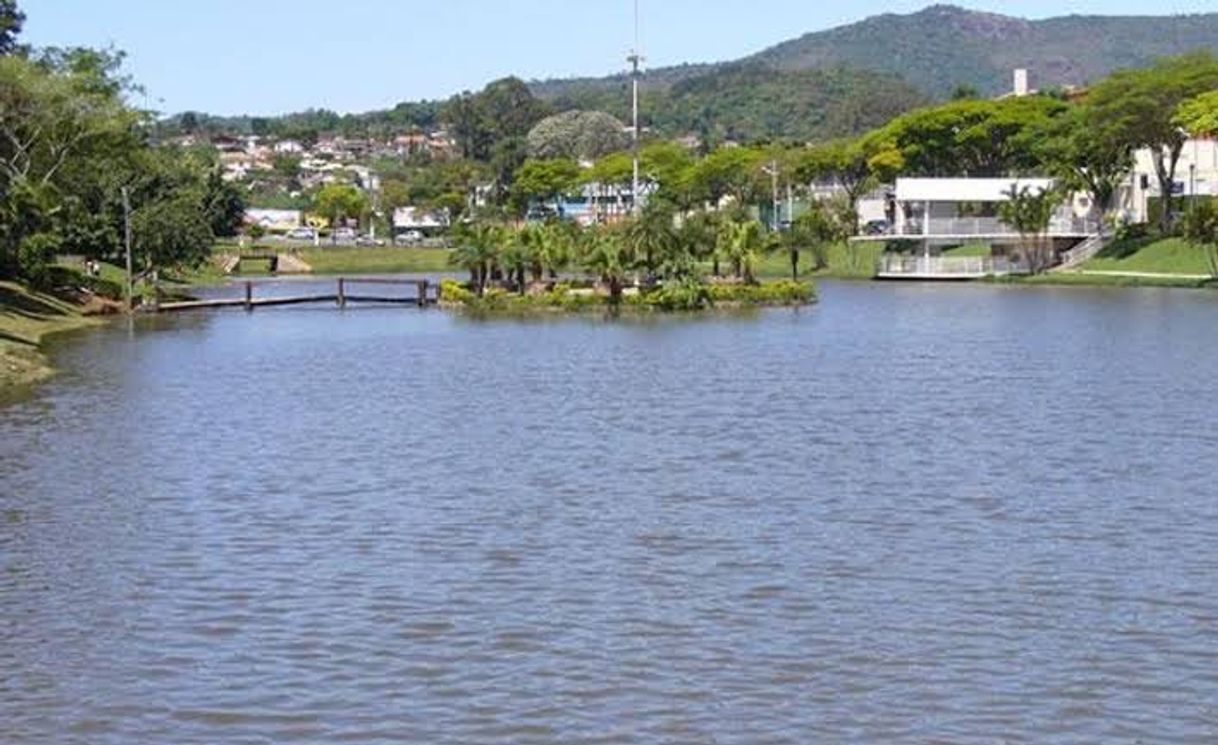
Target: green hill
(943,46)
(751,101)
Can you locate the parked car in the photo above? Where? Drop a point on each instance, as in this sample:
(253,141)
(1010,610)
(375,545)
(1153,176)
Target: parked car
(344,235)
(301,234)
(409,238)
(367,240)
(877,227)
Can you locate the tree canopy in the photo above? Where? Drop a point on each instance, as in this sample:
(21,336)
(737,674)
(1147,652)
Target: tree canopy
(577,135)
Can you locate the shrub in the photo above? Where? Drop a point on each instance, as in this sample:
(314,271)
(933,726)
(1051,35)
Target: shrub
(35,257)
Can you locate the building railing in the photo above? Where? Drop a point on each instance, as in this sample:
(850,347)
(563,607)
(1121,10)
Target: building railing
(991,226)
(948,266)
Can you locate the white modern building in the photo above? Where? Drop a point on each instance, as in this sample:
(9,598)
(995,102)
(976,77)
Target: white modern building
(1196,175)
(937,214)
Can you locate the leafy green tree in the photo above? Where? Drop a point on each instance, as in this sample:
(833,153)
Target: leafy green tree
(729,172)
(338,202)
(545,180)
(1029,212)
(845,162)
(1199,115)
(1143,105)
(224,204)
(11,20)
(815,230)
(1087,152)
(963,138)
(504,110)
(577,135)
(171,233)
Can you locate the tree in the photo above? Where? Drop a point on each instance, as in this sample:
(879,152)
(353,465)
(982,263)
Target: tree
(1143,105)
(11,20)
(728,172)
(845,162)
(815,230)
(1201,230)
(224,205)
(609,257)
(504,110)
(478,251)
(170,233)
(652,238)
(1029,213)
(577,135)
(338,202)
(1199,115)
(746,242)
(545,180)
(963,138)
(1087,152)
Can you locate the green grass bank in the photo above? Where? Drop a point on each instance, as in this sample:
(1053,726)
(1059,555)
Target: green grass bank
(27,318)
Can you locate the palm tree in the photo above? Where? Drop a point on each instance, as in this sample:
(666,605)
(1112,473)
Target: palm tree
(609,257)
(745,246)
(478,250)
(557,242)
(653,237)
(518,256)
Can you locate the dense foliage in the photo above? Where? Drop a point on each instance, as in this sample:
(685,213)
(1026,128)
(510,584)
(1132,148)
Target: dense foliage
(70,146)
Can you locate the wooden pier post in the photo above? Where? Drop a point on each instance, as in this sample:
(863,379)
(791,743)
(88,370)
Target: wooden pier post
(422,293)
(249,295)
(342,293)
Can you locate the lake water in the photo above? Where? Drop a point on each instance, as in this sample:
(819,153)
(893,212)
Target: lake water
(911,514)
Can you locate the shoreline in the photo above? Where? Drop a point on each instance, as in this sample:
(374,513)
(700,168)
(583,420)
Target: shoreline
(28,319)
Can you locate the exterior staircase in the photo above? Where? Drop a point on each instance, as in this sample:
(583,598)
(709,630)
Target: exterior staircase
(292,264)
(1083,252)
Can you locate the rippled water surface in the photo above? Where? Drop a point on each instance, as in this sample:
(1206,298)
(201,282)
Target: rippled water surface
(912,514)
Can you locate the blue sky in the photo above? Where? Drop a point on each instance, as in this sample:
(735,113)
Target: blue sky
(274,56)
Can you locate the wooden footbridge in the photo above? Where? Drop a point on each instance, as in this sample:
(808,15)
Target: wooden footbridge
(348,292)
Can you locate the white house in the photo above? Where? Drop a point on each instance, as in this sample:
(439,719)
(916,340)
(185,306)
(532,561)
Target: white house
(424,221)
(1196,175)
(953,210)
(275,221)
(289,147)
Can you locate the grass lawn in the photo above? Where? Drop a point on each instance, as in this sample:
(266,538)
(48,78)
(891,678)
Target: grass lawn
(1167,256)
(970,249)
(845,261)
(26,318)
(376,260)
(1105,280)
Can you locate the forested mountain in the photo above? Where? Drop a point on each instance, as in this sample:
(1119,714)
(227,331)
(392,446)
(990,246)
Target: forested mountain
(828,83)
(750,101)
(943,46)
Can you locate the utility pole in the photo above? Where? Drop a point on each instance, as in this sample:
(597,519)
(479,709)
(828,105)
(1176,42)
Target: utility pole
(776,204)
(635,59)
(127,243)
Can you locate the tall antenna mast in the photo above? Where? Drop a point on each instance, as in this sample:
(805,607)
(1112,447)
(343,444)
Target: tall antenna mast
(635,59)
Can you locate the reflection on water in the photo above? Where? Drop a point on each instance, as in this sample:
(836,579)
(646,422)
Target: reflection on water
(911,514)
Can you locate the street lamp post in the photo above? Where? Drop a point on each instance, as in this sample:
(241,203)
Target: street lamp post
(635,59)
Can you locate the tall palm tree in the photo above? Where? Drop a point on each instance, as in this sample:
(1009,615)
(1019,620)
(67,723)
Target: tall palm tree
(608,256)
(478,250)
(519,256)
(746,244)
(653,237)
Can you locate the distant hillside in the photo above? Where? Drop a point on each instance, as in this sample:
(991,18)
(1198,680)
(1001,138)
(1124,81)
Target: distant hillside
(943,46)
(834,82)
(751,101)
